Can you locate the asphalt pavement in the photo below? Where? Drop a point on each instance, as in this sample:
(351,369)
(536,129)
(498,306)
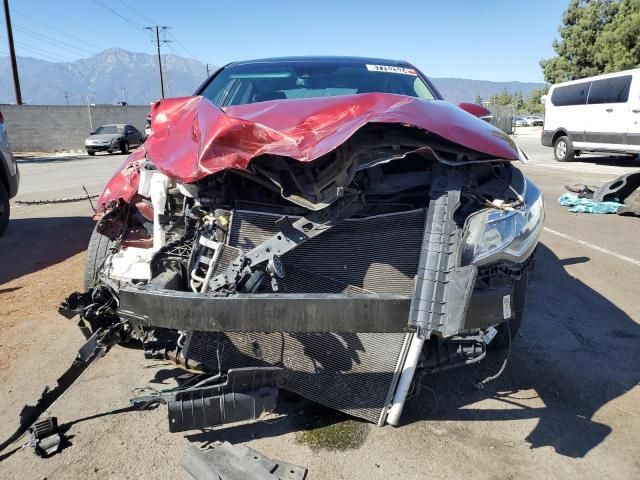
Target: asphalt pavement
(567,405)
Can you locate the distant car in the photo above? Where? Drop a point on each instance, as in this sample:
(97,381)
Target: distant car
(534,120)
(9,176)
(520,121)
(112,138)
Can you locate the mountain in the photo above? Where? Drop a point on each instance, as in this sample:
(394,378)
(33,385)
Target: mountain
(106,74)
(458,90)
(103,76)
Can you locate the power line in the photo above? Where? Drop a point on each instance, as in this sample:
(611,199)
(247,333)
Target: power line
(82,40)
(147,19)
(135,25)
(44,38)
(190,53)
(45,53)
(173,37)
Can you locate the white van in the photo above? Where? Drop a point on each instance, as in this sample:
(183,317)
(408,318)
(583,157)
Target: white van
(596,114)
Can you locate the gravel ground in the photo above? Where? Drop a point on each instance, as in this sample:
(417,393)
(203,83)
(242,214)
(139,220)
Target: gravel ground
(567,405)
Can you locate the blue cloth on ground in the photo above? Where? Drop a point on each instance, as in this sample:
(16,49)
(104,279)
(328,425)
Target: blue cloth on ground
(584,205)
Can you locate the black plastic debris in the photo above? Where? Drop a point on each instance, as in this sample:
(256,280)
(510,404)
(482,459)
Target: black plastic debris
(230,462)
(46,438)
(618,189)
(245,394)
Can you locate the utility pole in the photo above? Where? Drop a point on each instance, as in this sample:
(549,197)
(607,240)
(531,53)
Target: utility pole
(12,54)
(157,30)
(66,97)
(208,69)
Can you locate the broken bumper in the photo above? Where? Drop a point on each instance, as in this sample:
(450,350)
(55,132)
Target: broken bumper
(153,307)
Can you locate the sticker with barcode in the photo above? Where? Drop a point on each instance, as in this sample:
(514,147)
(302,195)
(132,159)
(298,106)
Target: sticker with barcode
(391,69)
(506,307)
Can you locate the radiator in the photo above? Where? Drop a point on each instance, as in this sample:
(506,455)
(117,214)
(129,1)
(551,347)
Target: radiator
(353,373)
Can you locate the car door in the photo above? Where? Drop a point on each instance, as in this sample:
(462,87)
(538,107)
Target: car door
(568,110)
(633,115)
(132,138)
(136,135)
(607,112)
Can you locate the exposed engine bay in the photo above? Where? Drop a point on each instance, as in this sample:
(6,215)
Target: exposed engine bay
(337,275)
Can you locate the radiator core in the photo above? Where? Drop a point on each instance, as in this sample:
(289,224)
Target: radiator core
(351,372)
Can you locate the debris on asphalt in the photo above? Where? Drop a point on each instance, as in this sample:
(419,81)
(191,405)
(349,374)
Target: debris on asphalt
(585,205)
(619,188)
(244,394)
(230,462)
(79,198)
(621,196)
(95,347)
(46,437)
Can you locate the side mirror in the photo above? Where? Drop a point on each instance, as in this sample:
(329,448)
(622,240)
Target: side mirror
(477,111)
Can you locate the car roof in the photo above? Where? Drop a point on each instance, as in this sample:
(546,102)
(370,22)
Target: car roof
(597,77)
(116,125)
(325,58)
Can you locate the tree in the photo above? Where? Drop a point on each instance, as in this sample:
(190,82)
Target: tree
(532,104)
(502,99)
(618,45)
(518,102)
(596,36)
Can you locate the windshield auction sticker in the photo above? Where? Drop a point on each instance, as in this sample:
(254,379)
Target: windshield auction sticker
(391,69)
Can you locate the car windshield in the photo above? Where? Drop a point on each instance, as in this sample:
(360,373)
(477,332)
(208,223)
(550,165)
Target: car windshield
(109,129)
(263,81)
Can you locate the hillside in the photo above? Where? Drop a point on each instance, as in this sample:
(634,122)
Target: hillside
(116,74)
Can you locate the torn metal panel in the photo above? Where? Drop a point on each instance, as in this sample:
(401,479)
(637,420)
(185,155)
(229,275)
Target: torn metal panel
(234,462)
(192,138)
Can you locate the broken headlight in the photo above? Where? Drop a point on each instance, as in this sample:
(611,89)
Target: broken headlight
(505,234)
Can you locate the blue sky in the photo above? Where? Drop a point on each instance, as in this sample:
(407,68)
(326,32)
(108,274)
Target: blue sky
(482,39)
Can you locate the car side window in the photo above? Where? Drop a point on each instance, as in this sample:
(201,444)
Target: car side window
(610,90)
(575,94)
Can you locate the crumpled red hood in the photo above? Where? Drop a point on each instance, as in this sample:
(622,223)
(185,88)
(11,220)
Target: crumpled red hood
(192,138)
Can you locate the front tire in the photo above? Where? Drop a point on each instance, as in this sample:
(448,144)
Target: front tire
(563,149)
(4,208)
(97,252)
(125,147)
(91,153)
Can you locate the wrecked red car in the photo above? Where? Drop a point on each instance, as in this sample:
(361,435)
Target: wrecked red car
(329,226)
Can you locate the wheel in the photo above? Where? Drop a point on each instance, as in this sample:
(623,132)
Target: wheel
(4,208)
(502,340)
(91,153)
(97,251)
(563,149)
(125,147)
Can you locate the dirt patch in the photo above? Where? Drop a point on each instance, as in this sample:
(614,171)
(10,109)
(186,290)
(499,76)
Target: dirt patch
(324,429)
(28,298)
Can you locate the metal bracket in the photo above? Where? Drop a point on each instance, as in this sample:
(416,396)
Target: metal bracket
(443,288)
(290,236)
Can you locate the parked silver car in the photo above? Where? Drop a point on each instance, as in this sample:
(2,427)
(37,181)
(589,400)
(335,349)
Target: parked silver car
(9,176)
(113,138)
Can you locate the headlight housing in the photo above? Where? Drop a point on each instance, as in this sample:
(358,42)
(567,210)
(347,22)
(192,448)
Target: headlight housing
(494,235)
